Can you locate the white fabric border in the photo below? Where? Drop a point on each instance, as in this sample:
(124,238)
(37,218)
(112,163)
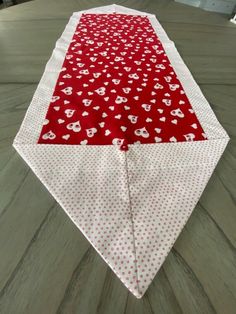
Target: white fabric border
(32,124)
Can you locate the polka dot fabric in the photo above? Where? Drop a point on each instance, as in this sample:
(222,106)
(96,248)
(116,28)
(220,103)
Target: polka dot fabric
(131,205)
(98,203)
(161,214)
(162,199)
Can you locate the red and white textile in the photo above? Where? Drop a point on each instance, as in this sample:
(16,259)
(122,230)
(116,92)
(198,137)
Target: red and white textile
(122,137)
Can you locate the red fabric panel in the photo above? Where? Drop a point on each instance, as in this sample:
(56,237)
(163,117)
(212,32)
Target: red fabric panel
(117,86)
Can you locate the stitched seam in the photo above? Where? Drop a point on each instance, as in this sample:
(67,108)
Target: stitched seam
(132,220)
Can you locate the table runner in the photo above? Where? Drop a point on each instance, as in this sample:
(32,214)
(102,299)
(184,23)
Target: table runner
(122,137)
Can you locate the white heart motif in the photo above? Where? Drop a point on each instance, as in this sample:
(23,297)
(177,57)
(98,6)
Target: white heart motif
(107,132)
(133,119)
(100,91)
(66,136)
(87,102)
(69,113)
(116,81)
(158,139)
(142,132)
(173,139)
(120,99)
(84,142)
(67,90)
(90,132)
(75,126)
(177,112)
(49,136)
